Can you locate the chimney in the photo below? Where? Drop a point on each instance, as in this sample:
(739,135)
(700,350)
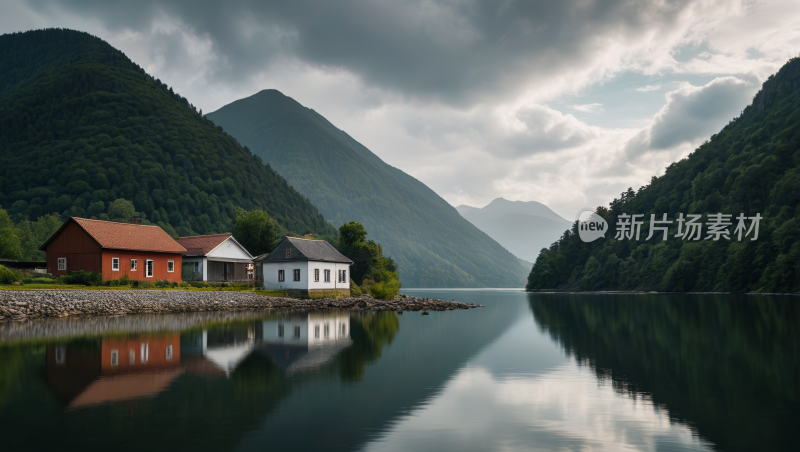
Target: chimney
(135,221)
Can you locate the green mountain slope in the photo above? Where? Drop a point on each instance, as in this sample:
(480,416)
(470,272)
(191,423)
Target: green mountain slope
(81,125)
(752,167)
(431,243)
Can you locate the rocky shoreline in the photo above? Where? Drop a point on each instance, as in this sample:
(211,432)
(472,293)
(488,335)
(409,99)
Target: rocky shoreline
(19,305)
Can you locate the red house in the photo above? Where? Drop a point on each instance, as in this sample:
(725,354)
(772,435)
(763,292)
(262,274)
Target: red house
(112,249)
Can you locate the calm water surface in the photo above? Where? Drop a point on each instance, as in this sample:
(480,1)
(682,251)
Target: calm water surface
(527,372)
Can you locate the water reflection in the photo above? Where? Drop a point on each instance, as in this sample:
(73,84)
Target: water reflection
(115,369)
(727,366)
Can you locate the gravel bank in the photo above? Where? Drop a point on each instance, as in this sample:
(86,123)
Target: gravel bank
(16,305)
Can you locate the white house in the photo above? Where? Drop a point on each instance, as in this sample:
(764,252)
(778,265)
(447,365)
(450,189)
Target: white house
(301,343)
(308,266)
(217,258)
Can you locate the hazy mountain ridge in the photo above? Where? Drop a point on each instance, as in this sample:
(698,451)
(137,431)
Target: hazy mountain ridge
(523,228)
(431,243)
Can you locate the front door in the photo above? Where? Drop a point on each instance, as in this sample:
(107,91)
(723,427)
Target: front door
(229,271)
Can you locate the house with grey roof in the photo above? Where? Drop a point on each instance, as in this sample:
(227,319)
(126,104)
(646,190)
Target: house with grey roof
(311,267)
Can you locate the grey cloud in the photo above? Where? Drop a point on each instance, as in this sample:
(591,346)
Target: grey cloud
(693,113)
(453,51)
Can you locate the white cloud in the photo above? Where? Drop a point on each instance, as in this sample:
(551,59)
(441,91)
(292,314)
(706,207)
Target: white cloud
(648,88)
(589,108)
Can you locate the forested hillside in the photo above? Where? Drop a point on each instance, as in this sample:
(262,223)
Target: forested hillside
(431,243)
(81,126)
(750,167)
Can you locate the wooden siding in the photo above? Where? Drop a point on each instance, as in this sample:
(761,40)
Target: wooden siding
(80,249)
(159,265)
(227,271)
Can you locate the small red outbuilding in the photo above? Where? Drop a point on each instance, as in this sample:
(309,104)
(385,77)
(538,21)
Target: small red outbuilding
(112,249)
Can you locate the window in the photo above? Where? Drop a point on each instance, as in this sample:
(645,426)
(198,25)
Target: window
(170,266)
(197,267)
(62,264)
(297,332)
(131,357)
(327,276)
(114,357)
(281,277)
(327,330)
(169,352)
(61,353)
(297,274)
(145,355)
(344,329)
(115,264)
(280,330)
(316,331)
(342,276)
(148,266)
(288,253)
(316,275)
(134,264)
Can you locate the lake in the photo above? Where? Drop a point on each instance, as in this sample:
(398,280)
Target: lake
(525,372)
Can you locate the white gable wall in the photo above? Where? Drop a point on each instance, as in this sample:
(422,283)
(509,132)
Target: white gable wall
(306,275)
(229,251)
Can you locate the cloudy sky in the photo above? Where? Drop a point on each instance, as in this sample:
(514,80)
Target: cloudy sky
(563,102)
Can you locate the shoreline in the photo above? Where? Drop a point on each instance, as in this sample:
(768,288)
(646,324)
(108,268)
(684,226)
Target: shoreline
(642,292)
(22,305)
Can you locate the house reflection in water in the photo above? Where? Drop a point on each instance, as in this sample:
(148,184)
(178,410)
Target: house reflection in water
(114,369)
(119,369)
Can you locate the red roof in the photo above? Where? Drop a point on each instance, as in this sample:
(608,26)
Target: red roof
(200,245)
(125,236)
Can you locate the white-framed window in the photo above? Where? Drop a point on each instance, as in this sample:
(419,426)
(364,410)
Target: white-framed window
(169,352)
(281,276)
(115,357)
(327,276)
(170,266)
(115,264)
(342,276)
(144,355)
(131,357)
(316,275)
(327,330)
(297,274)
(62,264)
(61,353)
(316,331)
(148,266)
(134,264)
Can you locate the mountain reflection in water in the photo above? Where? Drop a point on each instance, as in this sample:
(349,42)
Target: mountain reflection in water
(527,372)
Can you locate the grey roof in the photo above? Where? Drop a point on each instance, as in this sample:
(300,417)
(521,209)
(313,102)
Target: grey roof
(304,250)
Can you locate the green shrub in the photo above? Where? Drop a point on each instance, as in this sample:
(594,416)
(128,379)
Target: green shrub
(354,289)
(124,280)
(199,284)
(162,283)
(8,276)
(183,284)
(82,278)
(385,290)
(144,284)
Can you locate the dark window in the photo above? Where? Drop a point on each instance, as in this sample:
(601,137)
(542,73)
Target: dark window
(281,277)
(288,253)
(316,331)
(280,330)
(327,276)
(297,275)
(297,332)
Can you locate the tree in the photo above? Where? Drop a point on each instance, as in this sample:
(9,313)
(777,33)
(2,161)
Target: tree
(255,231)
(121,210)
(374,272)
(9,242)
